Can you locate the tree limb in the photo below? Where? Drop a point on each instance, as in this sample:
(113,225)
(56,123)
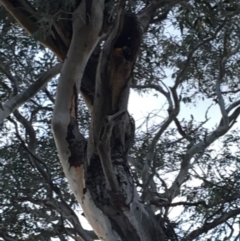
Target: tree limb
(208,226)
(12,104)
(84,40)
(6,236)
(199,148)
(25,15)
(62,207)
(173,112)
(182,72)
(11,78)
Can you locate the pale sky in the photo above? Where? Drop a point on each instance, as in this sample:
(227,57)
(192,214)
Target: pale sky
(140,106)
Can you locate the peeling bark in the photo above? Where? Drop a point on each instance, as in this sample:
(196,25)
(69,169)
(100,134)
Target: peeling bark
(108,177)
(64,125)
(99,173)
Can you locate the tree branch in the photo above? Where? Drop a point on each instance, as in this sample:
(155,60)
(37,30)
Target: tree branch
(12,104)
(146,15)
(180,76)
(62,207)
(208,226)
(25,15)
(103,82)
(199,148)
(181,131)
(11,78)
(105,151)
(173,112)
(221,103)
(6,236)
(85,37)
(23,12)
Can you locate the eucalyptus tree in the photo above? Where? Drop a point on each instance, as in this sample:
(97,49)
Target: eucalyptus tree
(125,182)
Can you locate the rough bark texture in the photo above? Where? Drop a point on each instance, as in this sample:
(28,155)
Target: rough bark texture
(99,173)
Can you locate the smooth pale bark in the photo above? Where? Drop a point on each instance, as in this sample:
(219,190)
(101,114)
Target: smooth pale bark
(108,177)
(124,217)
(16,101)
(85,37)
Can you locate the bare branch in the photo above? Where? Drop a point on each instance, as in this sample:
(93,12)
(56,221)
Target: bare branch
(160,18)
(62,207)
(191,53)
(181,131)
(25,15)
(173,112)
(199,148)
(208,226)
(11,78)
(105,151)
(12,104)
(158,203)
(146,16)
(233,117)
(37,162)
(6,236)
(152,86)
(158,88)
(23,12)
(221,103)
(48,94)
(233,105)
(223,127)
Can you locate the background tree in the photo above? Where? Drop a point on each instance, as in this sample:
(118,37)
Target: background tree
(185,51)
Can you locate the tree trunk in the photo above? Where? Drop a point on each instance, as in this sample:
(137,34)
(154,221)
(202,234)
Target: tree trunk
(97,169)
